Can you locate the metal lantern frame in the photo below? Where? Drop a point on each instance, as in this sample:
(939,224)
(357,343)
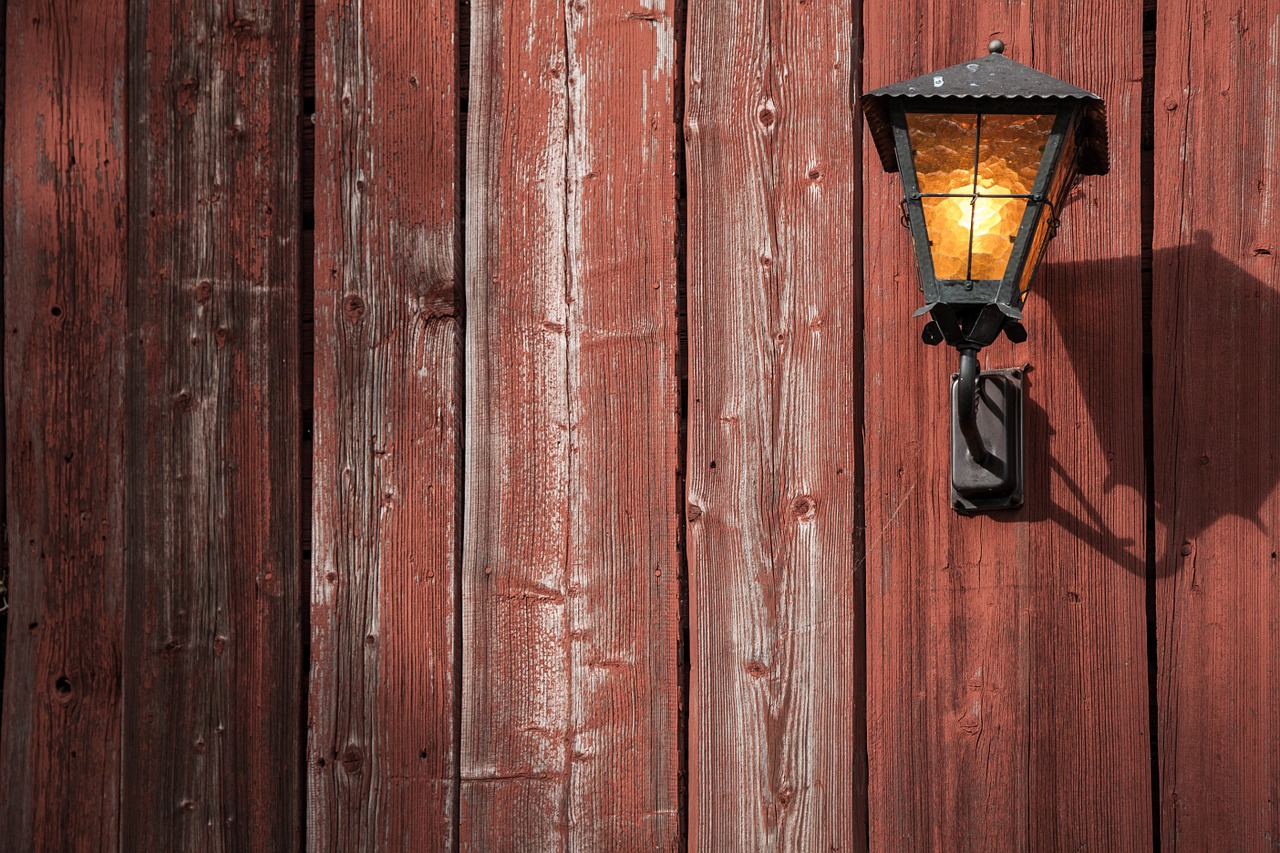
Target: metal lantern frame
(969,313)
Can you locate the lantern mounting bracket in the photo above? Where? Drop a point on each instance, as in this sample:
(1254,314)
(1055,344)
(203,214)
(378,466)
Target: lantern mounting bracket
(986,437)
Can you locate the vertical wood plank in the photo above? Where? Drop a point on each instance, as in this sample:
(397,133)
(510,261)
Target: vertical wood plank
(382,746)
(570,570)
(1007,700)
(64,278)
(775,754)
(212,672)
(1216,301)
(4,494)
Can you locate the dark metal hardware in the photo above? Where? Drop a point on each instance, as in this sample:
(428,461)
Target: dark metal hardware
(986,439)
(966,404)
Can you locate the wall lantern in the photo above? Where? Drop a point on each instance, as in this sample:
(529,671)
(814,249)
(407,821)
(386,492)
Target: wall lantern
(988,151)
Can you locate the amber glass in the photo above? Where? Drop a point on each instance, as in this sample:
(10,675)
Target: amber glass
(1063,177)
(968,168)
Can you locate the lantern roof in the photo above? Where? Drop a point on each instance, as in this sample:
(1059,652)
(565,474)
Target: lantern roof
(992,77)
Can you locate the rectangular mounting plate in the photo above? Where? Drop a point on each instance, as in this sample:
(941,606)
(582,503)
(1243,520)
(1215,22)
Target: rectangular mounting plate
(996,483)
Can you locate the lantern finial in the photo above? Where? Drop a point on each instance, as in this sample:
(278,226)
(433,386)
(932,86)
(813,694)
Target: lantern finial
(996,46)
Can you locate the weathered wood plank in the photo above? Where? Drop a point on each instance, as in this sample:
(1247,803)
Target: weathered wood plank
(1216,301)
(212,670)
(570,570)
(776,748)
(1007,700)
(4,493)
(382,753)
(64,299)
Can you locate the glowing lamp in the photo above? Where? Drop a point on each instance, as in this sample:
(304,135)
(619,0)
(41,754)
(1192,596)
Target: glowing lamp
(988,151)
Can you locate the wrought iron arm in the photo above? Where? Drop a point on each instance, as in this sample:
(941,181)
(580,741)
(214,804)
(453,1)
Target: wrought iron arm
(967,404)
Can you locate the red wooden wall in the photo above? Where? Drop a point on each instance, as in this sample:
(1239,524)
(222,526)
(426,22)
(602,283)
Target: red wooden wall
(500,425)
(1215,299)
(1006,666)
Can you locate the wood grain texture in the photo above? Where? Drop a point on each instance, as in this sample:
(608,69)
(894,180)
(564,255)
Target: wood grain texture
(1007,697)
(4,493)
(64,276)
(382,748)
(1216,300)
(212,672)
(570,570)
(775,754)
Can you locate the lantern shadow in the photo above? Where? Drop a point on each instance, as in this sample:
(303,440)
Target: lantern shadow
(1228,411)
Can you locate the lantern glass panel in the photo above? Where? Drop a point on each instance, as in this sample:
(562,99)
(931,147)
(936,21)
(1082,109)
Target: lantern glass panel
(1059,185)
(975,172)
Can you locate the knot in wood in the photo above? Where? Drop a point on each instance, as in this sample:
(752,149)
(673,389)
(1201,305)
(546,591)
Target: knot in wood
(352,759)
(804,507)
(63,688)
(354,306)
(766,112)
